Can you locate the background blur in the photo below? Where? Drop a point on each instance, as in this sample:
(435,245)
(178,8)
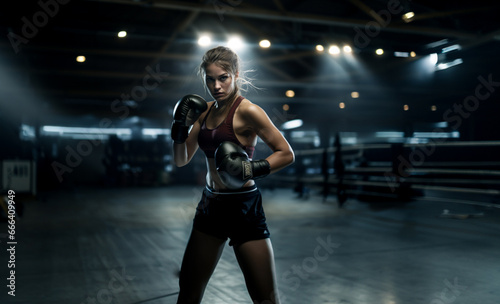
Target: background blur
(88,87)
(391,108)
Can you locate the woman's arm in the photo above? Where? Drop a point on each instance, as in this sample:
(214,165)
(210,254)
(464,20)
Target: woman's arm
(260,123)
(187,112)
(183,153)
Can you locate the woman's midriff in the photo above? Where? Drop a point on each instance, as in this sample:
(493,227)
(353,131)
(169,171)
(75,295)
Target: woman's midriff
(213,179)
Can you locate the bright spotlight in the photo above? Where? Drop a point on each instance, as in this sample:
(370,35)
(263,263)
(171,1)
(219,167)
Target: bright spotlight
(401,54)
(433,58)
(347,49)
(235,43)
(320,48)
(80,59)
(389,134)
(204,40)
(355,94)
(265,44)
(290,93)
(379,52)
(122,34)
(408,17)
(342,105)
(455,47)
(441,66)
(413,54)
(292,124)
(334,50)
(449,64)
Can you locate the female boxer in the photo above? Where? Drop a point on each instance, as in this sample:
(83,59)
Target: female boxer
(226,129)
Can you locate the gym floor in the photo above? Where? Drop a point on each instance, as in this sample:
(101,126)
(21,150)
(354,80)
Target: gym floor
(125,246)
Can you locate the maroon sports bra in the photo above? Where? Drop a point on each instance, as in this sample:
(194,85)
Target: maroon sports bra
(210,139)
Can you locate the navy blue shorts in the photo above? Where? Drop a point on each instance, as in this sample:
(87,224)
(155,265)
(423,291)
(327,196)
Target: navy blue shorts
(237,215)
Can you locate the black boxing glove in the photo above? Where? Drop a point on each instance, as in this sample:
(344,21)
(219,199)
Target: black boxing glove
(186,112)
(235,168)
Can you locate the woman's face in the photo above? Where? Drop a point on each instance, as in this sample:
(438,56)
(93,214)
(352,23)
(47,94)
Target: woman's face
(219,82)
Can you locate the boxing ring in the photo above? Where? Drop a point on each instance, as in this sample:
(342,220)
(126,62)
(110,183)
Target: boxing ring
(458,172)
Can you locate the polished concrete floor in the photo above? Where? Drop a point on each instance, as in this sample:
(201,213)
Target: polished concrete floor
(125,246)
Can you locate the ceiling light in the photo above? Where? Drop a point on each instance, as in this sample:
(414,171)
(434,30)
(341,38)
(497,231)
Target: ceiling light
(401,54)
(341,105)
(122,34)
(290,93)
(292,124)
(413,54)
(80,59)
(320,48)
(204,40)
(408,17)
(448,64)
(389,134)
(347,49)
(455,47)
(379,52)
(265,44)
(334,50)
(235,43)
(435,134)
(82,130)
(433,58)
(355,94)
(436,43)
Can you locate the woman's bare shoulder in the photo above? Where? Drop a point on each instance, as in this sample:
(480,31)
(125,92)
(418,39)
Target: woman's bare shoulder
(249,109)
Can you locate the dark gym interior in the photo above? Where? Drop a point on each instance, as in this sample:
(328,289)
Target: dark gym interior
(391,109)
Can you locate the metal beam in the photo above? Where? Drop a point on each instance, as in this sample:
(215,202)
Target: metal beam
(432,15)
(265,63)
(323,84)
(261,34)
(180,28)
(109,52)
(280,6)
(370,12)
(467,44)
(295,17)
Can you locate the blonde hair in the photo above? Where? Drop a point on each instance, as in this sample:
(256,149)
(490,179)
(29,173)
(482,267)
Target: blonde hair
(229,61)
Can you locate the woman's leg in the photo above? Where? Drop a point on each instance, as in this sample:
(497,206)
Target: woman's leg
(256,260)
(203,251)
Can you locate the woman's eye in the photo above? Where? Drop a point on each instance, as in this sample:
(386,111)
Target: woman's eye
(210,79)
(223,78)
